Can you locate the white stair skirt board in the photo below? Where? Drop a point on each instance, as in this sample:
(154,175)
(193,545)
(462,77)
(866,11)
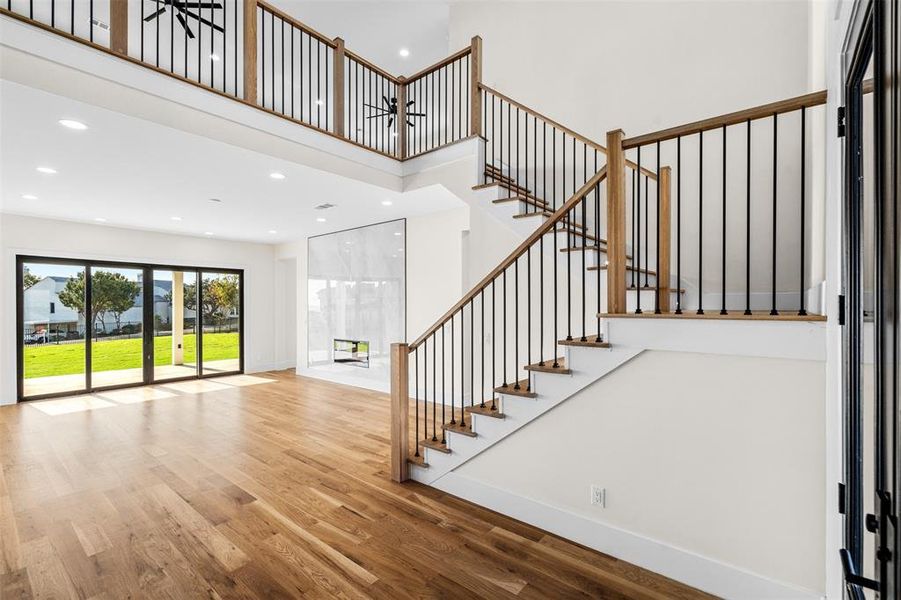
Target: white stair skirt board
(706,574)
(587,365)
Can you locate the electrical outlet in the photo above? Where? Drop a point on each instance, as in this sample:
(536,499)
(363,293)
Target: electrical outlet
(599,496)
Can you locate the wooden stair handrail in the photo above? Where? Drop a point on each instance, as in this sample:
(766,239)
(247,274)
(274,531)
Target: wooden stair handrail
(291,20)
(734,118)
(561,127)
(542,229)
(440,64)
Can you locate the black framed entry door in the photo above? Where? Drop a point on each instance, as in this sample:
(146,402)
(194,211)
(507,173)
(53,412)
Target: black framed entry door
(85,326)
(872,478)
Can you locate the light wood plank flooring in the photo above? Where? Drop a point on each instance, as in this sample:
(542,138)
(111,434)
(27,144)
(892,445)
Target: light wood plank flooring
(276,490)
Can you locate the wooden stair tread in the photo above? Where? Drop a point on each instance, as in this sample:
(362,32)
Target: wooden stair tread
(435,445)
(523,390)
(487,412)
(419,461)
(457,428)
(714,313)
(530,200)
(548,367)
(513,189)
(572,224)
(588,343)
(628,268)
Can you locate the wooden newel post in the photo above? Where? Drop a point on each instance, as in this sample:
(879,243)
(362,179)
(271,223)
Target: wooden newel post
(400,411)
(118,26)
(338,88)
(475,94)
(664,177)
(616,223)
(402,117)
(250,51)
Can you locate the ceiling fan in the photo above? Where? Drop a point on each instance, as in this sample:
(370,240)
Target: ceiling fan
(390,111)
(182,9)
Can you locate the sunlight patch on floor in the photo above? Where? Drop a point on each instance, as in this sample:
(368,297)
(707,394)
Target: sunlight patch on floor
(136,395)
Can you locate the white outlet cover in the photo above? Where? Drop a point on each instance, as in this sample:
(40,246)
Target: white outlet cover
(598,496)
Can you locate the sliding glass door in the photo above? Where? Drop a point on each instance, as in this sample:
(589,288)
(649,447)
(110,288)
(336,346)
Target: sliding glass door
(52,356)
(86,325)
(117,326)
(174,325)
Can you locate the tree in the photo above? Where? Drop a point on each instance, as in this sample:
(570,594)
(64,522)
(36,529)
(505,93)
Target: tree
(29,279)
(110,292)
(218,298)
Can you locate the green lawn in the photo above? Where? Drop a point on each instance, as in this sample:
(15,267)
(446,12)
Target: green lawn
(109,355)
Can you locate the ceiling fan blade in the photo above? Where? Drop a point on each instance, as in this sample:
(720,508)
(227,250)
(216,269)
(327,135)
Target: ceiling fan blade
(154,15)
(198,4)
(377,108)
(411,102)
(377,116)
(207,22)
(386,101)
(411,124)
(184,24)
(390,122)
(415,114)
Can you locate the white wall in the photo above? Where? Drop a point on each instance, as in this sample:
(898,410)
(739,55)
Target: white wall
(31,236)
(720,456)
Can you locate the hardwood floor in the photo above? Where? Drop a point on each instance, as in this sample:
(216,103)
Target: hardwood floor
(276,490)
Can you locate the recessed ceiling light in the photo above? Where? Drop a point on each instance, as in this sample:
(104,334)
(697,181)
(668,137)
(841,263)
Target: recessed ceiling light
(386,203)
(214,57)
(400,249)
(100,219)
(394,256)
(77,125)
(319,102)
(29,197)
(46,170)
(175,218)
(207,233)
(272,232)
(320,220)
(396,233)
(276,175)
(404,52)
(393,134)
(348,243)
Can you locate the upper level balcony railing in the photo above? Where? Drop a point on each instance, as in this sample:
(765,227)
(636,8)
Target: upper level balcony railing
(257,54)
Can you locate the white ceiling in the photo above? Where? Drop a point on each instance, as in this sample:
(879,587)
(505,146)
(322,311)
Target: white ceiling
(377,30)
(139,174)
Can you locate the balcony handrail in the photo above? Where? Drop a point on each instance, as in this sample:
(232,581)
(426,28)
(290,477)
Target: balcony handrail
(439,65)
(299,24)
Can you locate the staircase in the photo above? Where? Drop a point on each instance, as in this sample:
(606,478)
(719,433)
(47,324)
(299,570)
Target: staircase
(530,334)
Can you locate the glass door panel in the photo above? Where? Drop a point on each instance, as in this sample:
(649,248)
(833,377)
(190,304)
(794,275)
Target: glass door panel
(220,300)
(53,328)
(174,324)
(117,328)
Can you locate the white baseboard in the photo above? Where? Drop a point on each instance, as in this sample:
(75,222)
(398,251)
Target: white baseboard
(346,379)
(709,575)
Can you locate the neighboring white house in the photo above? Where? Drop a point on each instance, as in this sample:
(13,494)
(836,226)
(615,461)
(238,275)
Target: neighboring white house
(48,319)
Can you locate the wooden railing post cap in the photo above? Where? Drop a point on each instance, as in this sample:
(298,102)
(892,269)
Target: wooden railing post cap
(338,41)
(616,131)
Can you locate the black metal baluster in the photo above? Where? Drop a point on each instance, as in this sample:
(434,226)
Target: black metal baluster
(597,245)
(748,222)
(678,225)
(636,252)
(416,392)
(504,347)
(701,224)
(528,312)
(554,235)
(516,320)
(773,310)
(632,225)
(657,260)
(541,303)
(292,75)
(318,80)
(472,356)
(435,386)
(482,345)
(569,273)
(493,345)
(583,202)
(518,177)
(509,151)
(723,310)
(281,67)
(801,311)
(443,384)
(647,238)
(453,420)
